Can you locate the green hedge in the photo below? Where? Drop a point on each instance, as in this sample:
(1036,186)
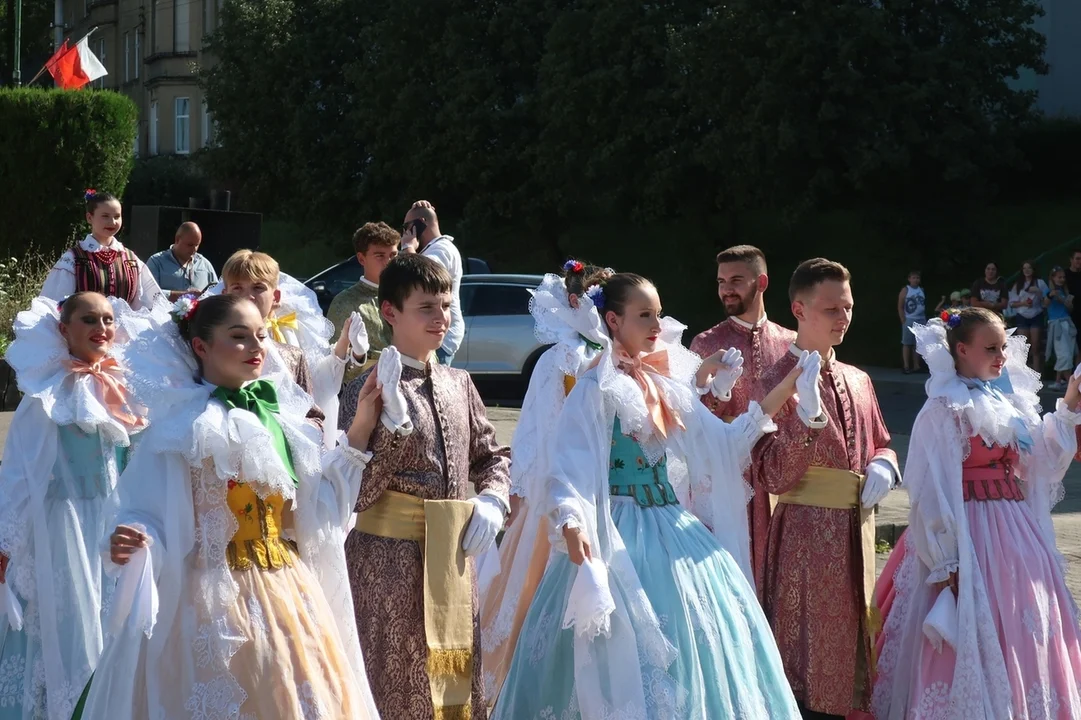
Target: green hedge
(53,145)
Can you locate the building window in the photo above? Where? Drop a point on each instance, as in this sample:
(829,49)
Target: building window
(206,125)
(138,50)
(127,57)
(181,26)
(153,149)
(135,144)
(182,125)
(101,57)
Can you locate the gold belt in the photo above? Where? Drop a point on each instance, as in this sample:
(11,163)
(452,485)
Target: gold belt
(836,489)
(728,418)
(448,589)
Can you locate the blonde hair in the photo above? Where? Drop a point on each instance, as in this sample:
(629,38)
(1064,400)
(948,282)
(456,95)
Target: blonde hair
(251,265)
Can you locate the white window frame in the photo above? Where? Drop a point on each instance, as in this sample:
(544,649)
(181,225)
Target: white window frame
(152,149)
(182,126)
(206,125)
(138,50)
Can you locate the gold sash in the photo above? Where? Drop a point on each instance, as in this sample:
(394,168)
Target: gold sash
(728,418)
(448,589)
(838,489)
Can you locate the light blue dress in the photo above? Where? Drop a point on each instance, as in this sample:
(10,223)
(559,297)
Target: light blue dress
(727,666)
(75,505)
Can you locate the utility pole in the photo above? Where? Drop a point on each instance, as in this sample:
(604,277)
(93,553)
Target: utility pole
(17,73)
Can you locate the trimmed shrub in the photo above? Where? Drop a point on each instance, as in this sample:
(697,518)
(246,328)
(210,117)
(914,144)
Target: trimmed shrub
(53,145)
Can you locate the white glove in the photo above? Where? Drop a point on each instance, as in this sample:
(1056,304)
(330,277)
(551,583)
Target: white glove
(358,335)
(878,484)
(486,523)
(730,371)
(389,374)
(810,398)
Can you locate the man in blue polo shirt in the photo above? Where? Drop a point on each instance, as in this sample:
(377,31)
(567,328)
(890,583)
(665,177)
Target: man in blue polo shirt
(181,270)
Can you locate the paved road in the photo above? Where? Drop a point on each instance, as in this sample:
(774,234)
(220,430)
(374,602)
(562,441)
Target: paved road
(901,398)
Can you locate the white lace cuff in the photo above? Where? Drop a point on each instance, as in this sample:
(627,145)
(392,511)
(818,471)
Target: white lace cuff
(942,572)
(814,423)
(1067,416)
(564,518)
(359,457)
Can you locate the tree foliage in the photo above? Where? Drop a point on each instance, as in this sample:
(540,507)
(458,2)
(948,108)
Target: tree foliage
(538,114)
(53,145)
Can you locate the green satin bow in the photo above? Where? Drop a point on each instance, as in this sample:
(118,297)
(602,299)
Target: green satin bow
(261,399)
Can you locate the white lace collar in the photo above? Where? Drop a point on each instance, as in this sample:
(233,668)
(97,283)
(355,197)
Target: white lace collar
(38,357)
(556,321)
(749,326)
(91,244)
(991,415)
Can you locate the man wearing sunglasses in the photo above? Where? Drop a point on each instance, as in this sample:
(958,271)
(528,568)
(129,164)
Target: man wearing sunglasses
(420,233)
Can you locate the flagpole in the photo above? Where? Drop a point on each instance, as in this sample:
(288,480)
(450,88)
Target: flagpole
(17,73)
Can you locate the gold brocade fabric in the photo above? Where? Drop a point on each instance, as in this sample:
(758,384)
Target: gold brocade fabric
(438,526)
(257,542)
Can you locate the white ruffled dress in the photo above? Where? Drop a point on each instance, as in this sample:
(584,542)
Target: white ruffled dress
(983,473)
(255,617)
(62,457)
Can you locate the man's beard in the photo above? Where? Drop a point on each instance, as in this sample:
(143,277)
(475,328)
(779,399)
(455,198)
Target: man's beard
(742,303)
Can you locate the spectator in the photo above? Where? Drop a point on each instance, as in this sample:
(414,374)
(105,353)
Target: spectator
(1073,284)
(956,302)
(912,309)
(181,270)
(422,223)
(990,291)
(1027,299)
(1061,331)
(375,244)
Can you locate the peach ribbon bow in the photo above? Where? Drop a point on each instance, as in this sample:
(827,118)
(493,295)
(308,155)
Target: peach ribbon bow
(639,369)
(110,378)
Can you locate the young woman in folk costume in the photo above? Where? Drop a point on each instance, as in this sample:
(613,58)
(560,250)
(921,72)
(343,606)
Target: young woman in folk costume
(67,444)
(981,623)
(296,325)
(574,327)
(231,524)
(641,612)
(100,263)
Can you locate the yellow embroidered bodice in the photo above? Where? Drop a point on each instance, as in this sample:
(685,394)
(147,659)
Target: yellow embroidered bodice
(257,542)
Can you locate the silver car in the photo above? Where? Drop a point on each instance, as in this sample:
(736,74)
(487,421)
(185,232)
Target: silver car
(499,340)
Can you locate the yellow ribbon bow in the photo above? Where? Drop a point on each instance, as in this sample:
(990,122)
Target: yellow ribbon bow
(274,324)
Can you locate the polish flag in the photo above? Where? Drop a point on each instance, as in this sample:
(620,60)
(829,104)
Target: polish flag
(73,67)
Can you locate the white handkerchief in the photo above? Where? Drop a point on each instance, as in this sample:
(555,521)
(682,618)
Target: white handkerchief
(487,568)
(136,595)
(590,605)
(941,622)
(10,607)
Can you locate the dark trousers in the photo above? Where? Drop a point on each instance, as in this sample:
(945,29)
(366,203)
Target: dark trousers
(813,715)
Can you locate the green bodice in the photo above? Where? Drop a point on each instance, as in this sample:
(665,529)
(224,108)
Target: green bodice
(631,475)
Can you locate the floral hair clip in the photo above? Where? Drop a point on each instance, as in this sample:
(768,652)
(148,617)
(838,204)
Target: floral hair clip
(596,294)
(184,308)
(952,319)
(89,194)
(573,266)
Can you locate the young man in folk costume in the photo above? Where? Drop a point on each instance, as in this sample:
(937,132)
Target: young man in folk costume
(829,464)
(414,590)
(741,285)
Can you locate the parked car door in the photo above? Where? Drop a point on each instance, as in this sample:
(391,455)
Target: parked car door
(499,330)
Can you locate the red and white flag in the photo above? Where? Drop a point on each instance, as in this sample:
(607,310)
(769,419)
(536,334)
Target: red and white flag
(73,67)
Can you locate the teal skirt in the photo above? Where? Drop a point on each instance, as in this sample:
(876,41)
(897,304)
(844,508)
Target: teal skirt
(727,666)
